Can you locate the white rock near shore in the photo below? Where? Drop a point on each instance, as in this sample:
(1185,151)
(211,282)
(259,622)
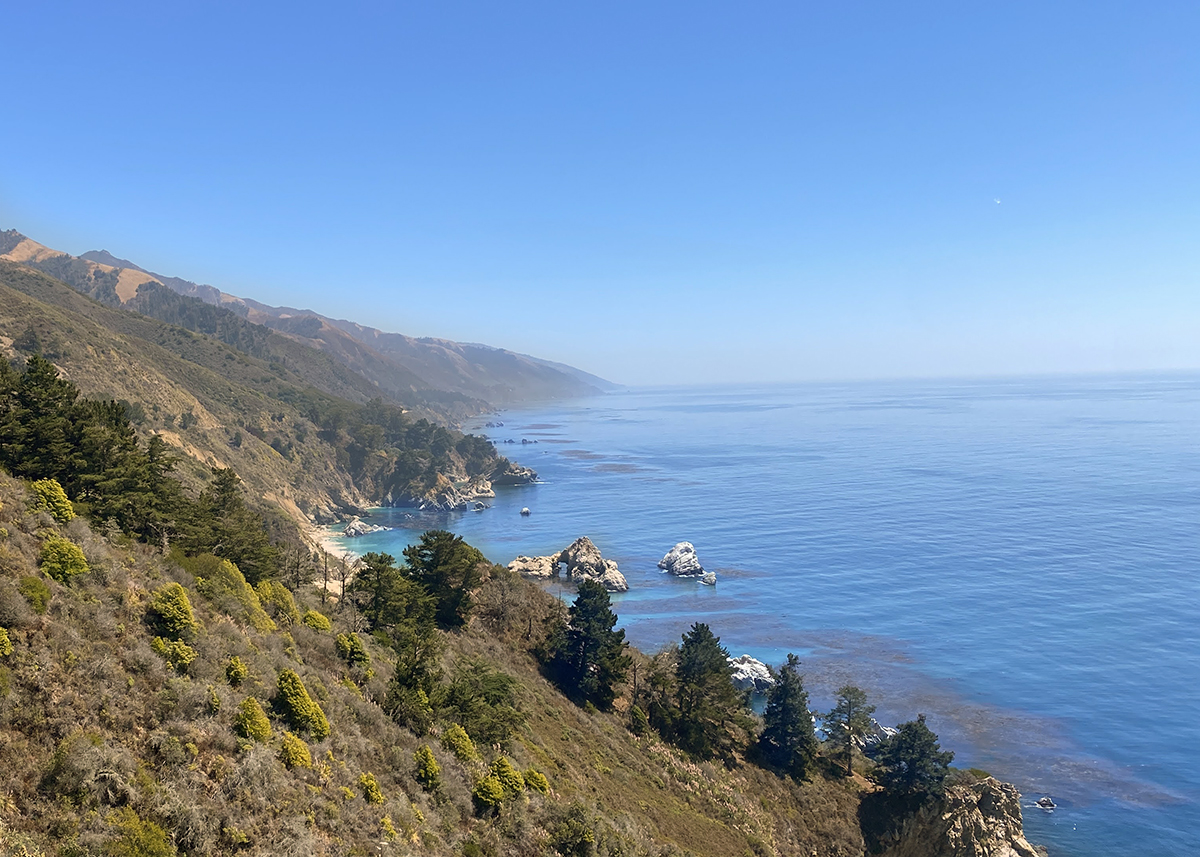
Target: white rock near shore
(581,561)
(359,527)
(751,674)
(682,561)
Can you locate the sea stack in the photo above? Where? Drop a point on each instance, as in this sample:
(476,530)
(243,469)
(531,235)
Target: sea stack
(682,561)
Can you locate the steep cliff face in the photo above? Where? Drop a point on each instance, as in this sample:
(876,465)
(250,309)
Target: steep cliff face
(979,820)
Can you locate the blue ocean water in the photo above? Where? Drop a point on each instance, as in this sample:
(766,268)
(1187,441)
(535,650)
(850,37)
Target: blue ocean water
(1019,560)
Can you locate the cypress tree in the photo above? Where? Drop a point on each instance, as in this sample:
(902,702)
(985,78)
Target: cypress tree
(708,702)
(788,741)
(591,658)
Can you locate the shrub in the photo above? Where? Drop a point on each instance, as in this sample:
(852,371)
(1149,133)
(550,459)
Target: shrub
(213,704)
(536,780)
(36,592)
(274,595)
(488,794)
(298,708)
(457,741)
(138,838)
(62,559)
(170,613)
(428,772)
(175,652)
(509,777)
(49,497)
(6,647)
(294,752)
(317,621)
(370,788)
(222,583)
(251,721)
(575,833)
(351,650)
(236,671)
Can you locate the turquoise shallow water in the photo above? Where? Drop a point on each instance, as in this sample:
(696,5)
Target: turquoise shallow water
(1019,560)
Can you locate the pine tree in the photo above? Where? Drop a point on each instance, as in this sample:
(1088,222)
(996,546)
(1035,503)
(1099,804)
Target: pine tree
(591,660)
(849,720)
(709,705)
(449,569)
(788,741)
(913,762)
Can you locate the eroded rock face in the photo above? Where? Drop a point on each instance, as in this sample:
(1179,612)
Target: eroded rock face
(358,527)
(682,561)
(751,674)
(979,820)
(581,561)
(513,474)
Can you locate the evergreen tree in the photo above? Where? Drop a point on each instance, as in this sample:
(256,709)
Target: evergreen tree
(849,720)
(37,426)
(449,569)
(913,762)
(590,659)
(788,741)
(223,526)
(708,703)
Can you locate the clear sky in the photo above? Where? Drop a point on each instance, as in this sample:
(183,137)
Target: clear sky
(655,192)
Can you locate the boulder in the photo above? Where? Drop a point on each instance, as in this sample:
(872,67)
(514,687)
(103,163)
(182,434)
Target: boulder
(512,474)
(525,513)
(709,579)
(751,674)
(535,566)
(682,561)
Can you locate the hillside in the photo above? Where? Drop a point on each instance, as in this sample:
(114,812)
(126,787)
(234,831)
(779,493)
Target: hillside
(314,456)
(157,705)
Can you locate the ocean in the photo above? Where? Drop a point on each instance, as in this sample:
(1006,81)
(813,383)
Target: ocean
(1016,559)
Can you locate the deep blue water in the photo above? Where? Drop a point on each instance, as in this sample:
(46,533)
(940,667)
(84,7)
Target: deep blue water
(1019,560)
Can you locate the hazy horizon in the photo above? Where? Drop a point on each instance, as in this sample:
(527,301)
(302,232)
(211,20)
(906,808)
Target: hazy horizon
(687,194)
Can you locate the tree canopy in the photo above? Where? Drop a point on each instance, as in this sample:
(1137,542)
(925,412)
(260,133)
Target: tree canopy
(589,658)
(912,760)
(788,741)
(849,720)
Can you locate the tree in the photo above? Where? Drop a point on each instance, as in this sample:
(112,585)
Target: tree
(449,569)
(708,703)
(590,658)
(483,700)
(913,762)
(849,720)
(788,741)
(226,528)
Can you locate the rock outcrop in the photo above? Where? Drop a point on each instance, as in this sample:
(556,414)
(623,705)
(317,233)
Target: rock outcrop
(445,495)
(709,579)
(358,527)
(509,473)
(751,674)
(682,561)
(875,735)
(580,561)
(979,820)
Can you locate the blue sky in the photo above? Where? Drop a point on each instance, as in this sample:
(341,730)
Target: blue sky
(656,192)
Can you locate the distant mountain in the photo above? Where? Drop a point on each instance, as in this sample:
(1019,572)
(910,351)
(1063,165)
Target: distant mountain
(392,360)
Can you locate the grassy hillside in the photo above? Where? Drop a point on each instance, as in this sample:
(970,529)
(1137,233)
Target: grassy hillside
(108,748)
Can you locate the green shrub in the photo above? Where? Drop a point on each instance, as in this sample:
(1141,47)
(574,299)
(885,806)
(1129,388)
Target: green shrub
(49,497)
(428,772)
(370,788)
(457,741)
(276,598)
(175,652)
(294,752)
(170,613)
(6,647)
(213,704)
(236,671)
(536,780)
(137,838)
(574,835)
(488,794)
(317,621)
(639,723)
(509,777)
(251,721)
(222,583)
(36,592)
(351,650)
(298,708)
(62,559)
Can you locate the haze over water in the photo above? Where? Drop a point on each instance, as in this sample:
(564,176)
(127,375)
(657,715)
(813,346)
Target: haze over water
(1016,559)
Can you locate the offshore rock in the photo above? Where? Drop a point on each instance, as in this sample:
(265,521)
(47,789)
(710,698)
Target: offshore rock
(979,820)
(709,579)
(682,561)
(751,674)
(509,473)
(875,735)
(358,527)
(581,561)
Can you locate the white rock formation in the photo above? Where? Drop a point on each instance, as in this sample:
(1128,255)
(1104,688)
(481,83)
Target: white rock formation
(358,527)
(682,561)
(581,561)
(751,674)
